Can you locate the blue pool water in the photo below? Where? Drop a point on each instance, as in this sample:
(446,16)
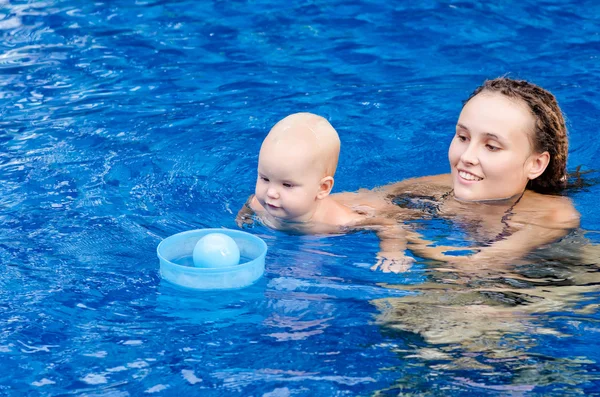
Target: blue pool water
(124,122)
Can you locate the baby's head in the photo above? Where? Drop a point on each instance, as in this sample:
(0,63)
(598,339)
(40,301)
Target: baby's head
(296,165)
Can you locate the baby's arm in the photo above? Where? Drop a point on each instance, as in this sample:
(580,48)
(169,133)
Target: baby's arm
(245,215)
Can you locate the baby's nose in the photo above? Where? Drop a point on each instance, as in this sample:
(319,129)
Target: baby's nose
(271,192)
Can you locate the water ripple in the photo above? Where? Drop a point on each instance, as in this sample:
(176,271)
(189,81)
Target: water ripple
(125,122)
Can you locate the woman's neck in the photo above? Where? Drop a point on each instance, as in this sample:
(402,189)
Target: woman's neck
(507,201)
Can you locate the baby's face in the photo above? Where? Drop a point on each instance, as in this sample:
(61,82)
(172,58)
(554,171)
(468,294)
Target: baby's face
(288,182)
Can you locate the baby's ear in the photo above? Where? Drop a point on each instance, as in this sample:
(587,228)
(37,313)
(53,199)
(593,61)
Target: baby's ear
(325,186)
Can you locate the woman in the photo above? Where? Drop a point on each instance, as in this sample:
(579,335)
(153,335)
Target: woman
(508,162)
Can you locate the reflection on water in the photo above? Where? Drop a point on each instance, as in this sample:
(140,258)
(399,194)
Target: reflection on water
(497,323)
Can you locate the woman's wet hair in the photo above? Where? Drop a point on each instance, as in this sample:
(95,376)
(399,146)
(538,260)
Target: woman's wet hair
(550,132)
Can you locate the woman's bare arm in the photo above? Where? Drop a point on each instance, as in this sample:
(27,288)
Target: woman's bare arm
(541,220)
(537,221)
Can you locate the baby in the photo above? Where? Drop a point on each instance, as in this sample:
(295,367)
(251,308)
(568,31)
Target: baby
(296,165)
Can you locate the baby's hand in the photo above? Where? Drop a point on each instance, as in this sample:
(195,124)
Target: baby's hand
(245,217)
(245,220)
(395,263)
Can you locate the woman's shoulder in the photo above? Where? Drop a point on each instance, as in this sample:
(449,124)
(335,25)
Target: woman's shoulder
(555,211)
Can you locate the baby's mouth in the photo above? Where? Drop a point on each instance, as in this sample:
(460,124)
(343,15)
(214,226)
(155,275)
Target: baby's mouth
(468,176)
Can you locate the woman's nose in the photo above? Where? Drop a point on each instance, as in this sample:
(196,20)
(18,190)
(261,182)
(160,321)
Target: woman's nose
(469,156)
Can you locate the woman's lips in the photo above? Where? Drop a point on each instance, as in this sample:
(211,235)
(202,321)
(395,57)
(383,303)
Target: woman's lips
(467,176)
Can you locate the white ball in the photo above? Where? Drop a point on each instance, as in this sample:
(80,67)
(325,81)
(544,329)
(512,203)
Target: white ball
(216,250)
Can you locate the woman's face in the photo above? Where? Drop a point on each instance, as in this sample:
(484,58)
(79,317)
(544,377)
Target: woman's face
(491,155)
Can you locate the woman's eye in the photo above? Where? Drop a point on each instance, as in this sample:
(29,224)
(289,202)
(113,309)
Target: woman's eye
(461,138)
(492,148)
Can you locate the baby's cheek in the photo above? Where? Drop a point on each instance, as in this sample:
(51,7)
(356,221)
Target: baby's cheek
(259,195)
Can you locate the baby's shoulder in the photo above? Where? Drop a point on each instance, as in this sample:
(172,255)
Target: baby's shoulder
(253,204)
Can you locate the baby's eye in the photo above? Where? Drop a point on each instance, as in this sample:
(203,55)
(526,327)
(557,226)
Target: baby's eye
(264,178)
(288,185)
